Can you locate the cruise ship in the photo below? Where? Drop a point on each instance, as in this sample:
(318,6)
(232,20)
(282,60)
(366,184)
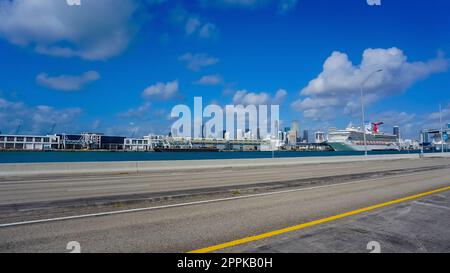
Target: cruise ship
(352,139)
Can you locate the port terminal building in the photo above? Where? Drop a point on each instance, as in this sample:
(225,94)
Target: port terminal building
(30,142)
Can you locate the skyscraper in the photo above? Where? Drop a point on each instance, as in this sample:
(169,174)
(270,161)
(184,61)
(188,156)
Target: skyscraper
(305,136)
(295,130)
(397,131)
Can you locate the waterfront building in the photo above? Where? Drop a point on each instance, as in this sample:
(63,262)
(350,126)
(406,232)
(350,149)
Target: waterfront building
(138,144)
(29,142)
(91,141)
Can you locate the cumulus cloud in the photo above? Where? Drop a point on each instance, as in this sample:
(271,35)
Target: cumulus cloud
(96,30)
(139,112)
(210,80)
(196,62)
(35,119)
(286,5)
(193,24)
(237,3)
(67,82)
(336,89)
(162,91)
(412,123)
(282,5)
(244,97)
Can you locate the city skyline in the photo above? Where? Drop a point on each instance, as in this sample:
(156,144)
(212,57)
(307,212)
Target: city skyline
(122,71)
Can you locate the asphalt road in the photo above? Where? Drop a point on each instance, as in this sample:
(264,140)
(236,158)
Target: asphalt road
(21,190)
(419,226)
(196,226)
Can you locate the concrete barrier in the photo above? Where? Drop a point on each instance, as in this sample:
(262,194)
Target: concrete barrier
(132,167)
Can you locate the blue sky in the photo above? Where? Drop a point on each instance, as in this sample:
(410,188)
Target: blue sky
(119,66)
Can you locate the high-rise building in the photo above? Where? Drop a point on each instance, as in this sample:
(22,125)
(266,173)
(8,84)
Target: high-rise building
(292,138)
(280,135)
(397,131)
(277,128)
(425,138)
(305,136)
(295,127)
(294,133)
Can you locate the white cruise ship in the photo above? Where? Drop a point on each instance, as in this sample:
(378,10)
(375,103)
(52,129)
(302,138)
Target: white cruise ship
(352,139)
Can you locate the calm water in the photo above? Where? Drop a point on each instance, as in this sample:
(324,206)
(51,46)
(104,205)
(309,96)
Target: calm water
(36,157)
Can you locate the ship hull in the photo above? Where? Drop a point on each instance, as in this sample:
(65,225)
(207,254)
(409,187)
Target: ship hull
(351,147)
(183,150)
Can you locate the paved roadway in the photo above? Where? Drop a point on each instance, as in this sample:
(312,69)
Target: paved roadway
(191,227)
(20,190)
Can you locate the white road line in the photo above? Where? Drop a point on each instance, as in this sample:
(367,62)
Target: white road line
(431,205)
(189,203)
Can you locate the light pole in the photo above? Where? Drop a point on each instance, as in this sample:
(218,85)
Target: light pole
(442,128)
(362,107)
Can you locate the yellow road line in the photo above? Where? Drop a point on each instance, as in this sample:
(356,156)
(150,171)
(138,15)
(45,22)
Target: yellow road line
(314,223)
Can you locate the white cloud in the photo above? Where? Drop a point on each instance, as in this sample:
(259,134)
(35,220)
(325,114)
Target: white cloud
(210,80)
(410,123)
(435,117)
(139,112)
(194,25)
(35,119)
(162,91)
(336,89)
(237,3)
(286,5)
(283,6)
(67,82)
(196,62)
(245,97)
(208,30)
(96,30)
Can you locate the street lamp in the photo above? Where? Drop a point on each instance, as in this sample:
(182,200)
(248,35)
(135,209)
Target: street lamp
(362,107)
(442,128)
